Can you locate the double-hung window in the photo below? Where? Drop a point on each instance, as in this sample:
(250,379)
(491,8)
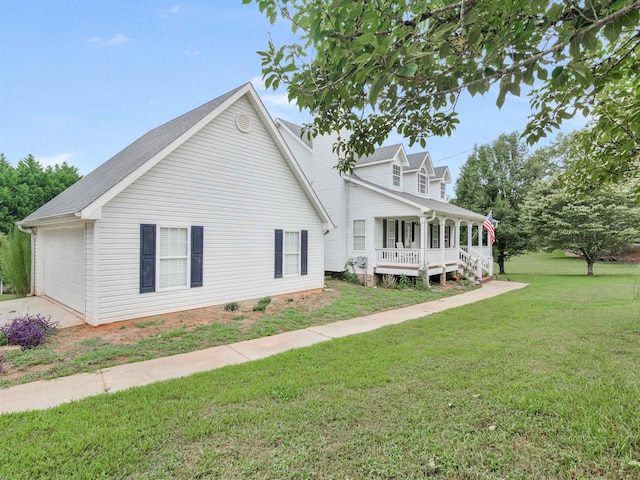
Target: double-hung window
(291,253)
(396,175)
(422,183)
(358,235)
(443,191)
(173,256)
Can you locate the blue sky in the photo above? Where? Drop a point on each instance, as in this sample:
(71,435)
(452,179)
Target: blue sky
(82,79)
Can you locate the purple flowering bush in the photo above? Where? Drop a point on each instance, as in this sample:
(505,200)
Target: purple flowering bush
(28,331)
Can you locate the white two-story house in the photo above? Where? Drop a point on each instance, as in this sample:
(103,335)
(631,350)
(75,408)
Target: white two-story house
(391,214)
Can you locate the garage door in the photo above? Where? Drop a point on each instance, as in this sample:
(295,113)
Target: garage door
(63,264)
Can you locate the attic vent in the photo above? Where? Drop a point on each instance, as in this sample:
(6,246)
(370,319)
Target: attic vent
(243,122)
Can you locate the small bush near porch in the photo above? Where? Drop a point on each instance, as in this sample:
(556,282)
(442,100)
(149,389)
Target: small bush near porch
(541,382)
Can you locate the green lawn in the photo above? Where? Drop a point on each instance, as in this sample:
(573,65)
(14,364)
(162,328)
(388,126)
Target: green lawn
(57,359)
(542,382)
(7,296)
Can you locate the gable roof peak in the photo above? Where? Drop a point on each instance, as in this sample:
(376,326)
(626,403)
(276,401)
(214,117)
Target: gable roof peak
(109,174)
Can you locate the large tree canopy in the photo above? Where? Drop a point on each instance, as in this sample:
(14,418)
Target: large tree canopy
(375,66)
(497,177)
(28,186)
(590,226)
(609,149)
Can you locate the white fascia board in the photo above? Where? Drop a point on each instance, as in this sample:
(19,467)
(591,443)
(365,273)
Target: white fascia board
(422,208)
(289,158)
(428,164)
(67,218)
(298,139)
(93,210)
(402,156)
(386,160)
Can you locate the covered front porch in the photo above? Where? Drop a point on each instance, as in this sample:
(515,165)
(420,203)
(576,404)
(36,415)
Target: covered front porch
(432,244)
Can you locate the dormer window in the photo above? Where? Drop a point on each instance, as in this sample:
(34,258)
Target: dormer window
(443,191)
(422,182)
(396,175)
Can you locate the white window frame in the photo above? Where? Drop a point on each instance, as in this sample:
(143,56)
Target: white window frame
(286,253)
(422,182)
(391,233)
(186,257)
(443,190)
(359,234)
(396,175)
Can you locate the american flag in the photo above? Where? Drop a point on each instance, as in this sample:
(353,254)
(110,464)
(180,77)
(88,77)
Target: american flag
(488,226)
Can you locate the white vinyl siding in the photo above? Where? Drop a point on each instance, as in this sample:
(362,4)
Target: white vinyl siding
(90,272)
(239,188)
(332,192)
(173,257)
(291,253)
(359,243)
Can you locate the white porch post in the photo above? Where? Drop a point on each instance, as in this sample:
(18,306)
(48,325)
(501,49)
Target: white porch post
(469,233)
(443,221)
(480,238)
(457,235)
(423,240)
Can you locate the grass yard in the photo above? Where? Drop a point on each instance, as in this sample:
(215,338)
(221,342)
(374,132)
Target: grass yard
(88,349)
(542,382)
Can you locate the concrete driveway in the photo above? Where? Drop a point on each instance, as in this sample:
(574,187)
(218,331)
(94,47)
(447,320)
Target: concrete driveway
(10,309)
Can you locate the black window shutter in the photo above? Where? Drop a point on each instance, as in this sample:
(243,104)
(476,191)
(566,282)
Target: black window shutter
(384,233)
(147,258)
(403,233)
(396,225)
(197,255)
(413,232)
(278,255)
(304,240)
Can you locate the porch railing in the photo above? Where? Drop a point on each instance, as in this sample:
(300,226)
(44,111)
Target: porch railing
(483,264)
(399,256)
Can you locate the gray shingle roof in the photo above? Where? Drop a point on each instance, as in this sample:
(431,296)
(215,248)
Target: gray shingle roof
(416,159)
(440,171)
(91,187)
(298,132)
(433,205)
(382,153)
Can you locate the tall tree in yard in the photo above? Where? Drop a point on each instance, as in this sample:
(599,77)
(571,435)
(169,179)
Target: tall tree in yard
(374,67)
(589,226)
(497,177)
(27,186)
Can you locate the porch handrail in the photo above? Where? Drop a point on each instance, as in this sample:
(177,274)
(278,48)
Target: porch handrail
(399,256)
(483,263)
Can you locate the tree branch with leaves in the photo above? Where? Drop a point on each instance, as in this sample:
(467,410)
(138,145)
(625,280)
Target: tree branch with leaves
(378,66)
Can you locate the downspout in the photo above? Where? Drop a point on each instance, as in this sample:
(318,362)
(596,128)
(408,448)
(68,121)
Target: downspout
(33,234)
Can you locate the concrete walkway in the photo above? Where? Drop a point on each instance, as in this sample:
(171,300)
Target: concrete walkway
(18,307)
(50,393)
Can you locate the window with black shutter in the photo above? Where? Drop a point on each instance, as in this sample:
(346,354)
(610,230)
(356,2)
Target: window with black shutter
(147,258)
(197,254)
(278,255)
